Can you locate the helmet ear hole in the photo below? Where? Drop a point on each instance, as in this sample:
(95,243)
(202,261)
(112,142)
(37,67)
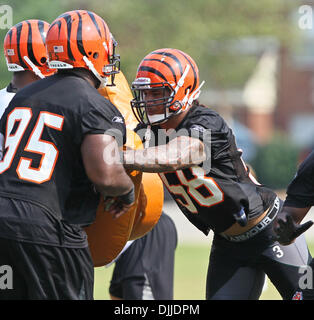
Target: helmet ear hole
(95,55)
(43,60)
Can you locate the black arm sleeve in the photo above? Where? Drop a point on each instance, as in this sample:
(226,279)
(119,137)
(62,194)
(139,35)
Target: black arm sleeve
(104,119)
(300,192)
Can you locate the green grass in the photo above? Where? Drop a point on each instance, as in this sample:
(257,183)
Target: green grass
(191,262)
(189,276)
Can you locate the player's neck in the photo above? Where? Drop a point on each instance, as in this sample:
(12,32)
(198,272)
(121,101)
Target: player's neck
(86,75)
(23,78)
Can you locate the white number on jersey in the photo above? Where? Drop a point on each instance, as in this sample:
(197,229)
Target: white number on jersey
(46,149)
(199,180)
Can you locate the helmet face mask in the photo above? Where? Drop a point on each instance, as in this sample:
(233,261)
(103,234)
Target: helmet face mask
(113,67)
(152,102)
(174,75)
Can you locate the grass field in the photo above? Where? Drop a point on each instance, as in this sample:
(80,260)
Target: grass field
(188,285)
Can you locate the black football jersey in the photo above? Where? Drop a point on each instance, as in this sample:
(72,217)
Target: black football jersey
(209,197)
(44,126)
(300,192)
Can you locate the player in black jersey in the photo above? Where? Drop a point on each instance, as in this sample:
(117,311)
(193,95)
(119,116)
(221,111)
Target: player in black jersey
(299,200)
(26,57)
(144,270)
(56,133)
(194,151)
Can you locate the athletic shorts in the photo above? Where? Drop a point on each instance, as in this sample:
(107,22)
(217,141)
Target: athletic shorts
(145,270)
(237,269)
(37,272)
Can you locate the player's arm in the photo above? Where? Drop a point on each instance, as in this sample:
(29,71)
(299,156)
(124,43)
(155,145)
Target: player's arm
(297,214)
(180,153)
(107,174)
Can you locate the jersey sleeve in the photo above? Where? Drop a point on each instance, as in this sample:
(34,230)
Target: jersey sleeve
(211,129)
(105,119)
(300,192)
(198,129)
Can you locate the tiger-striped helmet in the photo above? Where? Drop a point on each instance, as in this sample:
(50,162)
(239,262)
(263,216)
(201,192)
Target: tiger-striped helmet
(172,71)
(81,39)
(24,48)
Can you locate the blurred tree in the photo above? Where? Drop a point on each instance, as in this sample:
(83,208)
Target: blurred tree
(202,28)
(276,162)
(22,10)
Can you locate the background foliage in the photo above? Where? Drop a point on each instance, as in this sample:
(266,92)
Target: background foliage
(202,28)
(275,163)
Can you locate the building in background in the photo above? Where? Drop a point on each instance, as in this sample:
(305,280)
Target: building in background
(279,94)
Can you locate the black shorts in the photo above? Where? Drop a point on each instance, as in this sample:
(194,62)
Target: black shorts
(237,270)
(45,272)
(145,270)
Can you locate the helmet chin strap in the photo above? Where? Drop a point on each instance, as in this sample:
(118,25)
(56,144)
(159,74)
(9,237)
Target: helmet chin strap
(103,80)
(34,68)
(187,100)
(196,93)
(181,80)
(155,117)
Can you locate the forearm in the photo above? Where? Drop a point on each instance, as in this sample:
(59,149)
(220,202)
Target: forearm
(151,160)
(176,155)
(296,213)
(116,183)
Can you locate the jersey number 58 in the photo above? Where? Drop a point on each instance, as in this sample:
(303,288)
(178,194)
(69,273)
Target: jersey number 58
(193,189)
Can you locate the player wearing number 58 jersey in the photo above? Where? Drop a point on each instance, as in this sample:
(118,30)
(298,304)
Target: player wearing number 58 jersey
(55,133)
(194,151)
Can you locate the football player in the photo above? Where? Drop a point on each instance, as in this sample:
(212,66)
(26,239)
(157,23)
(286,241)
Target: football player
(298,202)
(194,151)
(145,268)
(26,56)
(56,131)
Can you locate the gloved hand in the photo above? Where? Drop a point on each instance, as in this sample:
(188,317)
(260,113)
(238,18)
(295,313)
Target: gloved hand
(287,230)
(117,206)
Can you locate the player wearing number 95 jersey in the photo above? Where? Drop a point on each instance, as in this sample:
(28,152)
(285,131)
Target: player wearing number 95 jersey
(194,151)
(55,134)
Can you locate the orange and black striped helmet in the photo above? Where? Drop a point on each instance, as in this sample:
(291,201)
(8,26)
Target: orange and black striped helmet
(81,39)
(172,71)
(24,47)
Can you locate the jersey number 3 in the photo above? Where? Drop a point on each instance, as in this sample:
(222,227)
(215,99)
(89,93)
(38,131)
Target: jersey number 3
(46,149)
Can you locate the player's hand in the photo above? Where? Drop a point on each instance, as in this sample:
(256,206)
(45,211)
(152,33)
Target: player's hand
(117,206)
(287,230)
